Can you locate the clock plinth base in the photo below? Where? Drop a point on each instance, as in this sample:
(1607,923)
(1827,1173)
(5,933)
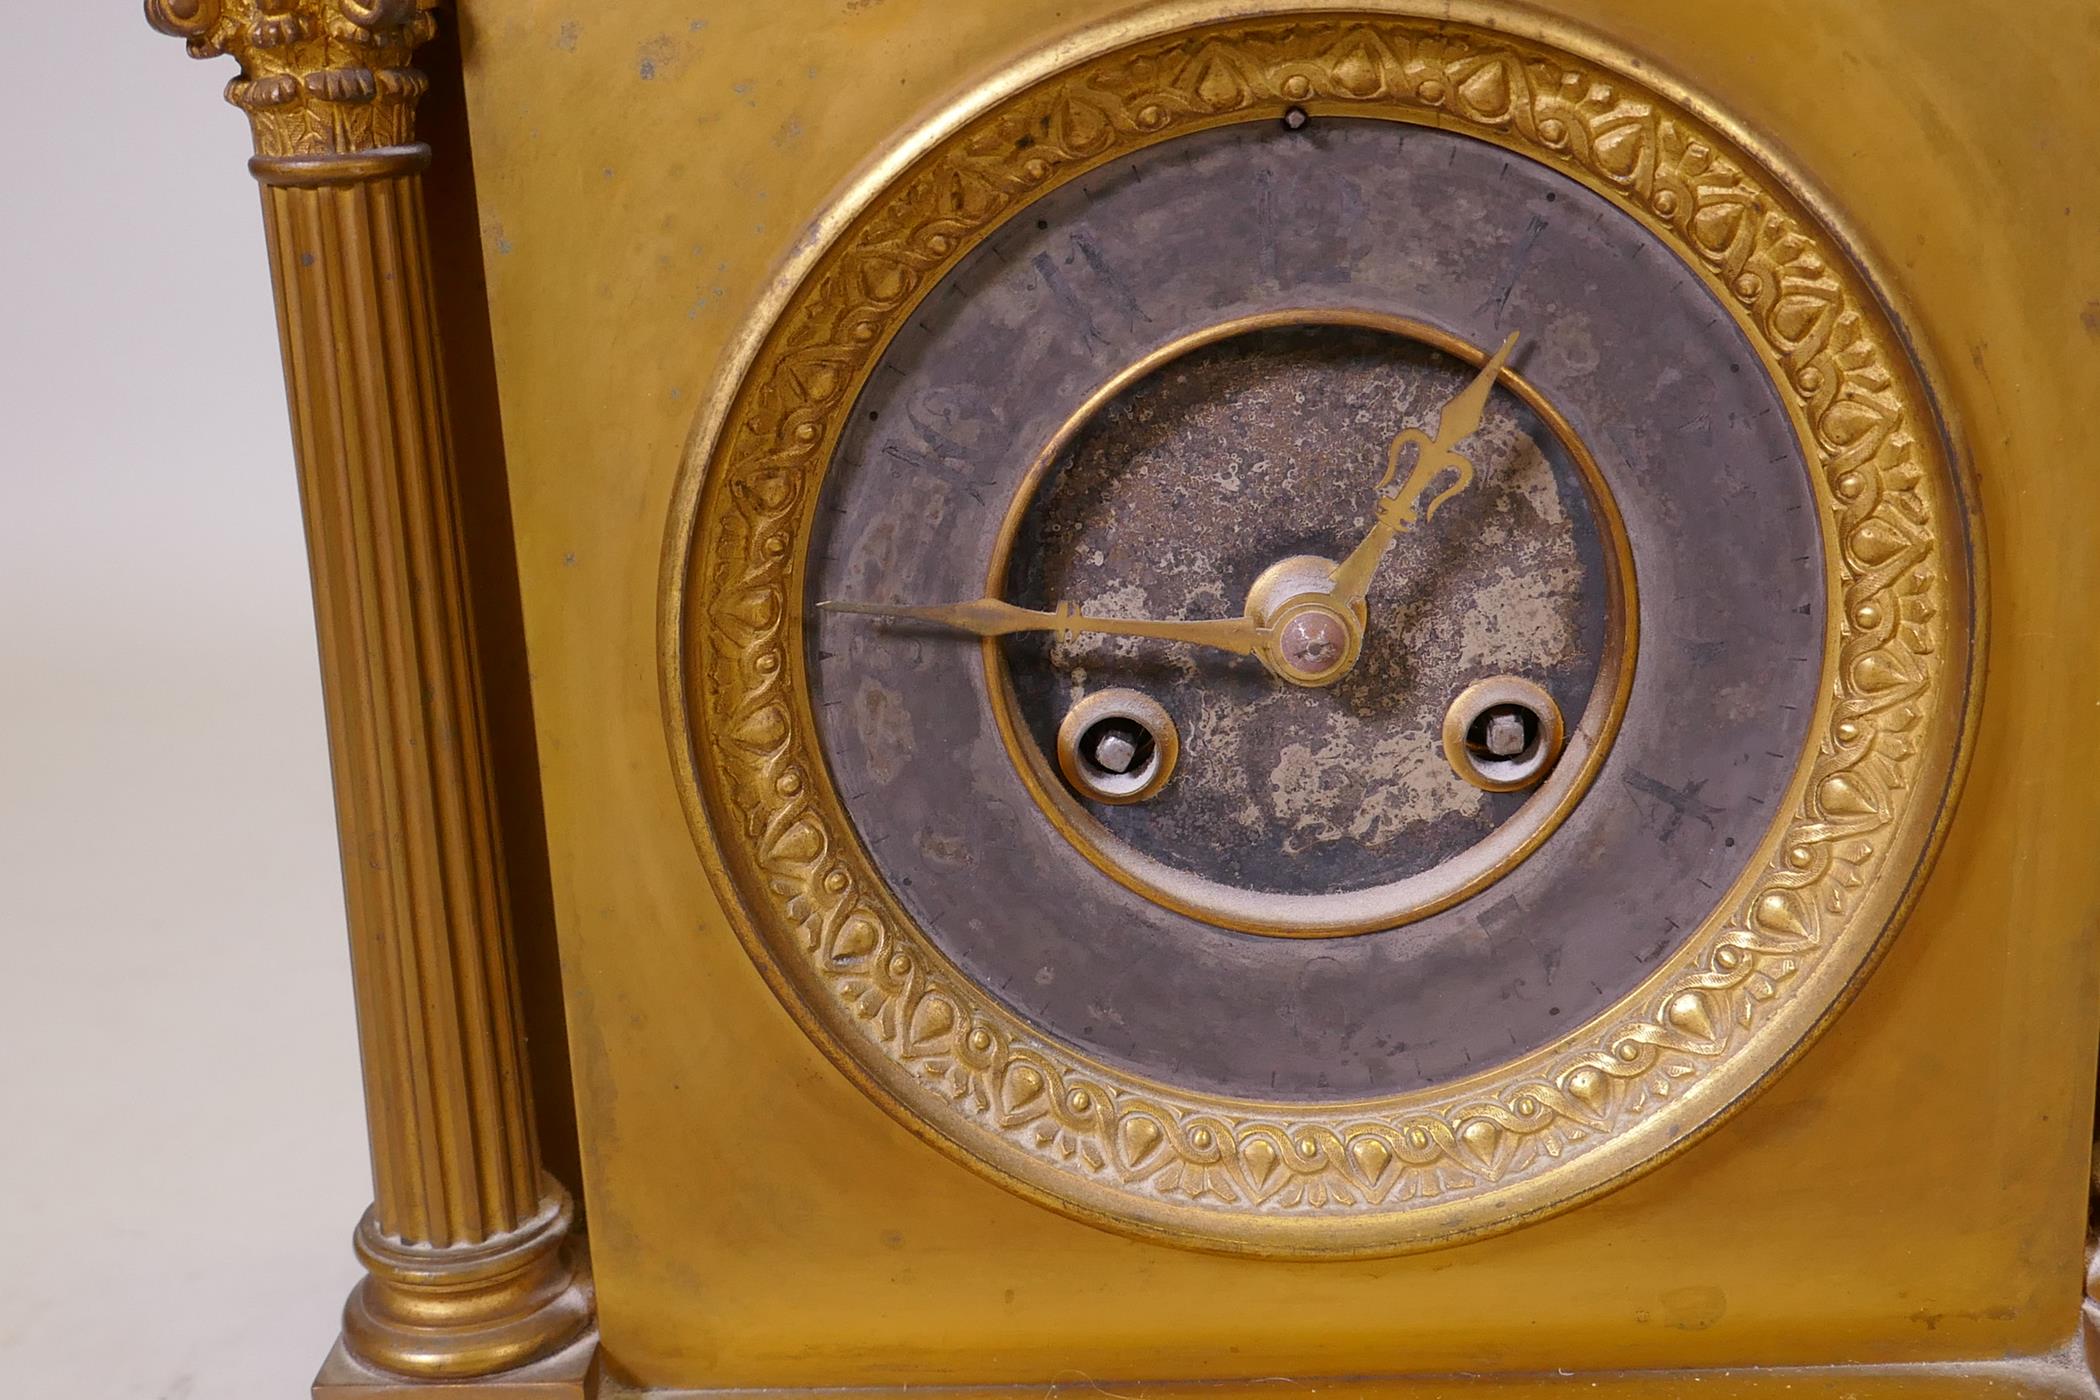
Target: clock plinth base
(569,1374)
(2057,1376)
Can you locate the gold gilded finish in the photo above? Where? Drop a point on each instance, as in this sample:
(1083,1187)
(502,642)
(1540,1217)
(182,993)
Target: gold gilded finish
(455,1155)
(1905,1201)
(1906,1198)
(572,1373)
(469,1267)
(1434,456)
(467,1310)
(1783,949)
(318,77)
(2058,1376)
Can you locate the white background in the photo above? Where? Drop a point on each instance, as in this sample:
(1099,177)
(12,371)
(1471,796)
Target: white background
(182,1151)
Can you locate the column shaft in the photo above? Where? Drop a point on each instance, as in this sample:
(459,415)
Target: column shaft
(465,1230)
(468,1267)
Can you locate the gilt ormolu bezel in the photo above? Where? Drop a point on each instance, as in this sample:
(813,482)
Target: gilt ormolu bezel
(1785,947)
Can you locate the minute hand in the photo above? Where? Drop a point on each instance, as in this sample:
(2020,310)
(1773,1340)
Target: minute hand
(1456,421)
(993,617)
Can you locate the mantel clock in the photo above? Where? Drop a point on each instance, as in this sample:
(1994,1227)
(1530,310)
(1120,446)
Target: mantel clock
(1174,695)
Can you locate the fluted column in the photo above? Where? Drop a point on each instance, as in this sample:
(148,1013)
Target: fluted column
(467,1273)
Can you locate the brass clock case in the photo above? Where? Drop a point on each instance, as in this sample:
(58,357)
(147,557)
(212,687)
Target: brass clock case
(1736,998)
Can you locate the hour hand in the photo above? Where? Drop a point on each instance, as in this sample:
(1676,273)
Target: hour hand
(993,617)
(1434,456)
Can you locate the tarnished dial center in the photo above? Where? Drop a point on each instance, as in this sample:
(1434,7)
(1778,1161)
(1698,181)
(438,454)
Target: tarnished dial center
(1232,476)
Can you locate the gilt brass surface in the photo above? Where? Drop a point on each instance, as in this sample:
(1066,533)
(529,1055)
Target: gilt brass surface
(1902,1214)
(1910,1194)
(469,1264)
(1200,1157)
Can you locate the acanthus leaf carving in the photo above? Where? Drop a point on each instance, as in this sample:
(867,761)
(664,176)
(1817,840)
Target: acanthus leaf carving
(318,77)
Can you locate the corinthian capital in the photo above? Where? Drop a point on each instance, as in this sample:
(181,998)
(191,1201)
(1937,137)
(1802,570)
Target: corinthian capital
(318,77)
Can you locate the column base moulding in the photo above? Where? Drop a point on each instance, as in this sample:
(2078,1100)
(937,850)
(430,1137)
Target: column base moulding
(461,1310)
(569,1374)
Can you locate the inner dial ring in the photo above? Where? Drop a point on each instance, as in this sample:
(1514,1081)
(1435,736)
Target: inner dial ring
(1290,586)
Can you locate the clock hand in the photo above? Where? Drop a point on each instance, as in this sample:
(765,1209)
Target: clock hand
(1346,584)
(992,617)
(1457,420)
